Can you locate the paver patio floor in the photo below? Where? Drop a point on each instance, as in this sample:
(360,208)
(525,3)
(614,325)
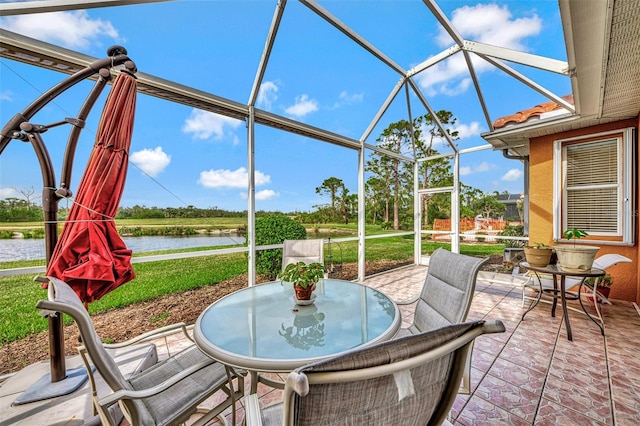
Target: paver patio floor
(532,374)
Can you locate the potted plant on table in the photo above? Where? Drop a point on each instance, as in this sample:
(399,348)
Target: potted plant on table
(304,277)
(538,254)
(574,257)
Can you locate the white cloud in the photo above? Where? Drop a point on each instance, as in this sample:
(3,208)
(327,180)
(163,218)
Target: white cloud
(266,194)
(512,174)
(491,24)
(464,131)
(70,29)
(9,193)
(439,143)
(6,96)
(484,167)
(224,178)
(351,97)
(346,98)
(450,77)
(151,161)
(204,124)
(480,168)
(267,95)
(485,23)
(468,130)
(302,107)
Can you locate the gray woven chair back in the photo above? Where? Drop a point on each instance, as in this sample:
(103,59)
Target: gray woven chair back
(448,290)
(307,251)
(63,299)
(420,395)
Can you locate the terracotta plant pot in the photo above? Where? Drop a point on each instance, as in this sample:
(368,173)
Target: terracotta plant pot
(605,291)
(303,293)
(577,258)
(538,256)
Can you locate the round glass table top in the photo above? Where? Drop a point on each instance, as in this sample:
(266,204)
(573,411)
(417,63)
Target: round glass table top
(262,328)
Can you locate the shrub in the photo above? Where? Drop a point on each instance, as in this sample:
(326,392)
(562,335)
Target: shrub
(513,231)
(274,230)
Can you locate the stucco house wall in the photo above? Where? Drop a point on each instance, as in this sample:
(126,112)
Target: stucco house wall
(626,275)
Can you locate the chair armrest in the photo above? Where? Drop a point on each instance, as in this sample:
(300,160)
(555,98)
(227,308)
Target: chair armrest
(253,416)
(414,299)
(110,399)
(154,334)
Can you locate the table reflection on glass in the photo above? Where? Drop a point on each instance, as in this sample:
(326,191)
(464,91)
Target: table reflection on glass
(262,329)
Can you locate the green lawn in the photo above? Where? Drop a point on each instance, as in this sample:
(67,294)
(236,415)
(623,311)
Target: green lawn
(19,294)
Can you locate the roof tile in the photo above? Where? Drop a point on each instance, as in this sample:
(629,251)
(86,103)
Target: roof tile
(527,114)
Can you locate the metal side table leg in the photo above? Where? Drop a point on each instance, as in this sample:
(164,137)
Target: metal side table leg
(535,302)
(565,311)
(595,301)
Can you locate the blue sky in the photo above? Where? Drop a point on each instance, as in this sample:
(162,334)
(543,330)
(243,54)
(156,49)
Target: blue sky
(181,156)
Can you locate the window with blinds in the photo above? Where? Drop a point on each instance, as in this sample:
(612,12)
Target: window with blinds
(593,186)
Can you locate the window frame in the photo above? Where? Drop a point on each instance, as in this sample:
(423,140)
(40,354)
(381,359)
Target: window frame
(626,185)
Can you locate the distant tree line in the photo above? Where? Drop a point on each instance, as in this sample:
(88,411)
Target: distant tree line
(389,186)
(18,210)
(143,212)
(388,189)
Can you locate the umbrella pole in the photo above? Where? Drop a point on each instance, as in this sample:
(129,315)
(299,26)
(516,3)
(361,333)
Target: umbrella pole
(50,209)
(19,127)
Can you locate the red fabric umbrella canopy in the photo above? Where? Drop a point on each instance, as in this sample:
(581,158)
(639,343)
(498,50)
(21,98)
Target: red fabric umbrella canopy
(90,255)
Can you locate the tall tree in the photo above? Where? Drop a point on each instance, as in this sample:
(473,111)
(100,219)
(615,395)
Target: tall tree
(520,207)
(414,138)
(348,204)
(380,184)
(330,187)
(377,198)
(29,195)
(437,172)
(468,195)
(489,206)
(396,174)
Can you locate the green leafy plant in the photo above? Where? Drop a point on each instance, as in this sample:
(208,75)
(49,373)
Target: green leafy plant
(274,229)
(574,234)
(302,274)
(539,245)
(605,281)
(512,231)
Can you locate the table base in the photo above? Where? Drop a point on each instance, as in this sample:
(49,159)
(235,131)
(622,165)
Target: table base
(559,293)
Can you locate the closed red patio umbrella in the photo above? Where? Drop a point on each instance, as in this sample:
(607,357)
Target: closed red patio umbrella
(90,255)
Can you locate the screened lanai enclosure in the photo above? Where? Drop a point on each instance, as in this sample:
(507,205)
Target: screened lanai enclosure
(251,99)
(259,102)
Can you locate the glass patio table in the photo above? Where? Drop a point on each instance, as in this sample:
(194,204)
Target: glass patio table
(262,329)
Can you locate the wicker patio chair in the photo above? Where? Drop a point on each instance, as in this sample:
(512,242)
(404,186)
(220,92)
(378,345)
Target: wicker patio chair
(168,392)
(411,380)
